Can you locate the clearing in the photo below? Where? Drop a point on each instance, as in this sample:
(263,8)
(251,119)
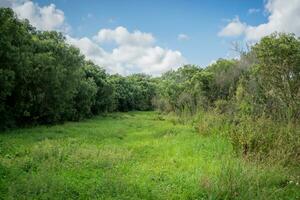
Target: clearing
(135,155)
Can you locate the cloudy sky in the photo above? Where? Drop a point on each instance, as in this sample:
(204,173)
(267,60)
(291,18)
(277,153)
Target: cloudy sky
(129,36)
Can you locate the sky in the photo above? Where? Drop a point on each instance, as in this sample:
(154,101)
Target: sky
(154,36)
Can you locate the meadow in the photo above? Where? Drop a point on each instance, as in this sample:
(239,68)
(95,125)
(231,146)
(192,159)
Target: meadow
(134,155)
(134,122)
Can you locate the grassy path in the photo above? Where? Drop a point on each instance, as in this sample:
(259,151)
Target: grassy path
(136,155)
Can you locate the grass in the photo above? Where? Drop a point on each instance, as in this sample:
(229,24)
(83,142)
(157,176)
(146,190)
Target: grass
(135,155)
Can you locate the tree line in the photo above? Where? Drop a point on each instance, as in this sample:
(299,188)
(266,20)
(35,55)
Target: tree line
(45,80)
(264,81)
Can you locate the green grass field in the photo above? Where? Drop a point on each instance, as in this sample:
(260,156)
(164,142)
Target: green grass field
(135,155)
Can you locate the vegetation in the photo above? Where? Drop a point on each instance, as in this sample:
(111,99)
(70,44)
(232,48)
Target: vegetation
(135,155)
(257,97)
(227,131)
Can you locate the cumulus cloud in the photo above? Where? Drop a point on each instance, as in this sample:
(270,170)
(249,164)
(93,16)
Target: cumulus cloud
(183,36)
(135,52)
(88,48)
(233,28)
(283,16)
(121,36)
(43,18)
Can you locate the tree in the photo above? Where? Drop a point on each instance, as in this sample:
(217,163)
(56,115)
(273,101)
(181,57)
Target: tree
(278,73)
(104,99)
(84,99)
(15,54)
(225,77)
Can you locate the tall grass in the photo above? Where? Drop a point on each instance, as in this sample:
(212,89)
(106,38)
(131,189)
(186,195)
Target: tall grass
(136,155)
(260,139)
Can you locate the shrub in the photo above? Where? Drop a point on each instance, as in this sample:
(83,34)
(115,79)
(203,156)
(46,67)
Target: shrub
(265,140)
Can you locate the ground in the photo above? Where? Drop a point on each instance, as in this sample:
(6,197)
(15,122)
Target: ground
(135,155)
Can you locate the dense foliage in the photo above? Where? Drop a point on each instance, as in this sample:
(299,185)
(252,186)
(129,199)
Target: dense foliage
(265,81)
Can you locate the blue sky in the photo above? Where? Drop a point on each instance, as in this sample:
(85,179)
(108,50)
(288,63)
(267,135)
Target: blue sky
(108,32)
(200,20)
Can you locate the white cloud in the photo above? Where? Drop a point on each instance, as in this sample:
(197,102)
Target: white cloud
(121,36)
(88,48)
(233,28)
(253,11)
(283,17)
(183,36)
(212,62)
(43,18)
(135,52)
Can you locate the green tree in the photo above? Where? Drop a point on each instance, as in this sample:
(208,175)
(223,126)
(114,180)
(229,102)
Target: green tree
(84,99)
(225,77)
(278,73)
(104,99)
(15,54)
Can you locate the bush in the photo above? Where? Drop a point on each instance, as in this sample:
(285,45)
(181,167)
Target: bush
(212,123)
(223,106)
(265,140)
(260,139)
